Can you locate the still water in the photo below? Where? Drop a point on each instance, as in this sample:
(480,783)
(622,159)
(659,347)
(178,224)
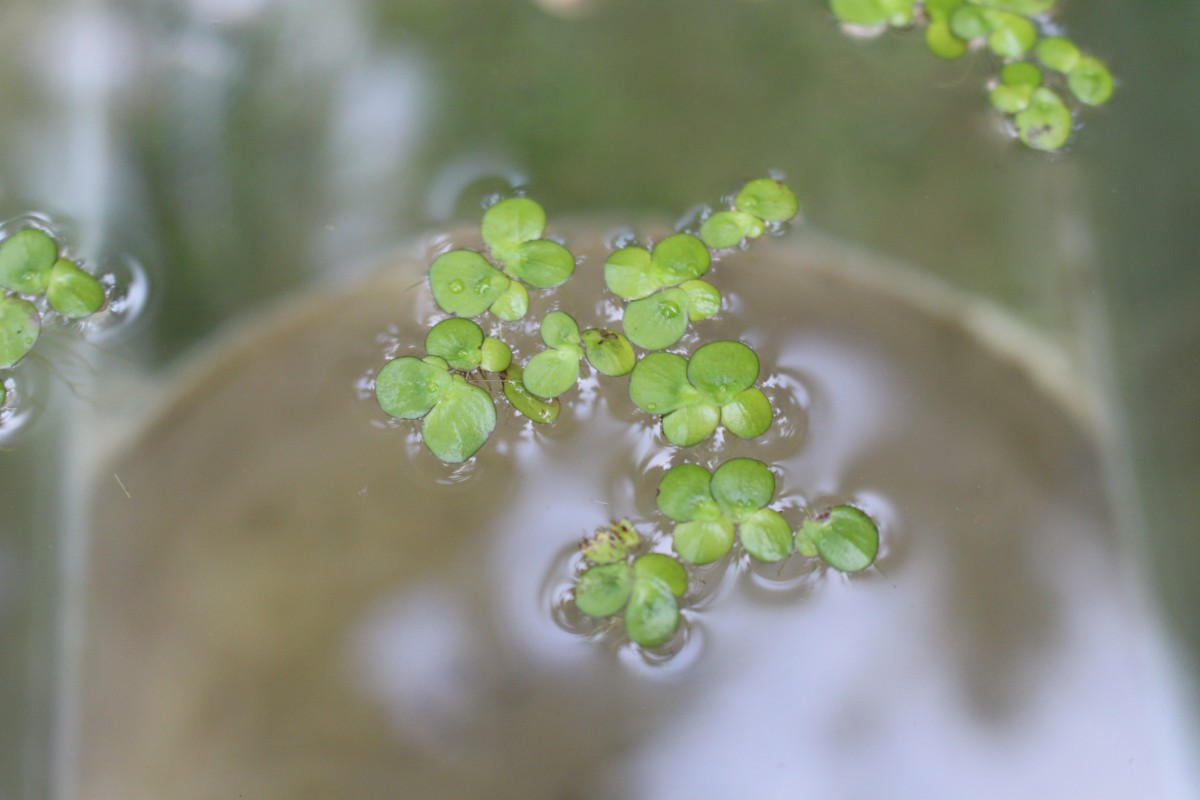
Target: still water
(288,597)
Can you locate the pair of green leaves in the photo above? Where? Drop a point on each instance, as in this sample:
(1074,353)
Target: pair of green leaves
(710,507)
(30,264)
(716,387)
(647,587)
(759,202)
(663,288)
(467,284)
(555,370)
(1042,120)
(845,538)
(457,417)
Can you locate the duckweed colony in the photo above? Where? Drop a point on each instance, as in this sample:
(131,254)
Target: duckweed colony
(41,285)
(452,390)
(1043,71)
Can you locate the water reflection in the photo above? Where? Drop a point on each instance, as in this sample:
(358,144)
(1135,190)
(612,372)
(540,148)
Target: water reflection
(255,594)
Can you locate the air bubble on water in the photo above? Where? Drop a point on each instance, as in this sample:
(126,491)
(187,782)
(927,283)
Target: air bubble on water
(619,238)
(863,31)
(487,176)
(128,294)
(25,393)
(691,218)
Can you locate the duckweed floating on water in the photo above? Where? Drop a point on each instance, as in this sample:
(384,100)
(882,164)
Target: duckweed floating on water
(647,587)
(715,387)
(539,410)
(711,508)
(844,537)
(26,259)
(72,292)
(1011,29)
(20,326)
(663,290)
(555,370)
(457,417)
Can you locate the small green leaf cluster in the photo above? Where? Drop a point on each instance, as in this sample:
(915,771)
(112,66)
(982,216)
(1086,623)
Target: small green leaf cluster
(551,372)
(1012,30)
(759,203)
(664,291)
(710,509)
(457,416)
(37,276)
(663,288)
(646,586)
(465,283)
(714,388)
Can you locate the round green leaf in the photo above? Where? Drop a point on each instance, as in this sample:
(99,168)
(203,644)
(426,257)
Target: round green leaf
(684,495)
(940,10)
(657,321)
(72,292)
(678,258)
(766,535)
(942,42)
(1057,53)
(513,302)
(1010,99)
(26,258)
(541,263)
(464,283)
(748,414)
(20,327)
(456,340)
(627,273)
(495,355)
(512,222)
(729,228)
(845,537)
(1021,74)
(1090,81)
(659,385)
(551,372)
(1012,35)
(703,541)
(460,423)
(559,330)
(742,486)
(665,568)
(723,369)
(703,299)
(608,351)
(691,425)
(1046,123)
(970,22)
(603,591)
(768,199)
(408,387)
(543,412)
(653,612)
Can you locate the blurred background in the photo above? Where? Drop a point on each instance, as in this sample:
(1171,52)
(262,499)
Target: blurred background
(246,150)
